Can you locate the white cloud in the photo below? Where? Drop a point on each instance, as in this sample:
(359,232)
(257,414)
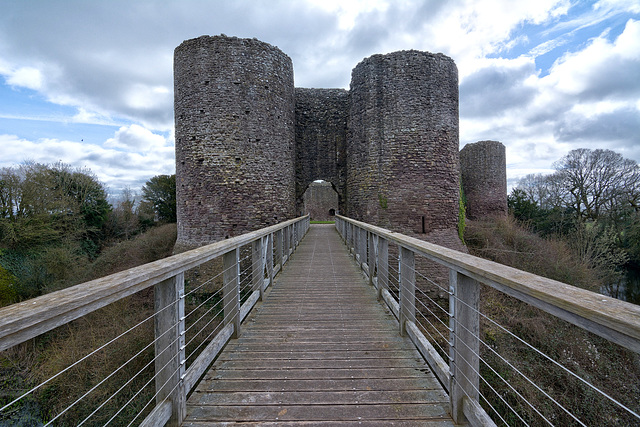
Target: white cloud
(28,77)
(602,69)
(135,138)
(112,61)
(115,168)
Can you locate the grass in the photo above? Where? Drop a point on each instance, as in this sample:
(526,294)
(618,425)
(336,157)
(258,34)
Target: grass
(322,222)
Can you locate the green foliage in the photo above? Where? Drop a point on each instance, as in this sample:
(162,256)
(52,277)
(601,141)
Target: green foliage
(160,192)
(384,203)
(45,205)
(592,201)
(154,244)
(8,285)
(522,207)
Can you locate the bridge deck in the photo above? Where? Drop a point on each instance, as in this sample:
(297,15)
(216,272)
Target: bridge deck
(319,351)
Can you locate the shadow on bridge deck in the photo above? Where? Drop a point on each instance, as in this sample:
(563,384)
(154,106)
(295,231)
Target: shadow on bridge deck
(320,350)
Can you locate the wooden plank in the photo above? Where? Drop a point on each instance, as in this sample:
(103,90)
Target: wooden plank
(407,298)
(391,302)
(465,362)
(321,349)
(363,397)
(431,356)
(615,320)
(169,346)
(357,413)
(249,304)
(475,414)
(311,373)
(231,290)
(159,416)
(292,364)
(200,365)
(371,423)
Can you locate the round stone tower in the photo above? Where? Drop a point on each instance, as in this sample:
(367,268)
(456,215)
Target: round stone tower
(484,178)
(234,120)
(402,154)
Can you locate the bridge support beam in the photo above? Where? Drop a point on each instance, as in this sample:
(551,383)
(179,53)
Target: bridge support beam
(279,249)
(231,290)
(407,289)
(170,345)
(257,266)
(383,265)
(465,342)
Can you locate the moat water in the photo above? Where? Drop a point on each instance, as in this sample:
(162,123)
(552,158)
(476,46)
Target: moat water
(627,288)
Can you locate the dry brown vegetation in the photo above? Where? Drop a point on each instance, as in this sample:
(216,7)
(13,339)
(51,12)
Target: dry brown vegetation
(37,360)
(613,369)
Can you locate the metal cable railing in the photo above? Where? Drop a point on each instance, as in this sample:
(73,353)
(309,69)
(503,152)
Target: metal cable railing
(196,324)
(480,371)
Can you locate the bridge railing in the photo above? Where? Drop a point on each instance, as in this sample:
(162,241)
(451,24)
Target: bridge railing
(193,319)
(526,381)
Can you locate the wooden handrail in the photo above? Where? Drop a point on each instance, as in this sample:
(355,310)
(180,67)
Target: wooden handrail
(22,321)
(613,319)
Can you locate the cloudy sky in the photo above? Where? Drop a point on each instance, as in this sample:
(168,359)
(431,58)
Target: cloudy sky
(90,83)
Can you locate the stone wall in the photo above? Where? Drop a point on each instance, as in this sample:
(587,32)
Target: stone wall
(234,116)
(484,178)
(248,145)
(320,201)
(402,154)
(321,140)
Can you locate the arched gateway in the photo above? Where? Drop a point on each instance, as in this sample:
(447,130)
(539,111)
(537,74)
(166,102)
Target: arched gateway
(248,143)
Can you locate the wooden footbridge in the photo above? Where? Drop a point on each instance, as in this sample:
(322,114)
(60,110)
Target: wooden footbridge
(320,349)
(318,332)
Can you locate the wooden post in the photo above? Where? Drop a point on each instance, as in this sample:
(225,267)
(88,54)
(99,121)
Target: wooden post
(371,255)
(279,250)
(257,266)
(407,297)
(287,242)
(269,259)
(169,346)
(383,265)
(231,290)
(362,244)
(465,343)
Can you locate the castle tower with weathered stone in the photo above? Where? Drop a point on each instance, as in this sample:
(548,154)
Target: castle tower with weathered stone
(484,178)
(248,144)
(235,155)
(402,155)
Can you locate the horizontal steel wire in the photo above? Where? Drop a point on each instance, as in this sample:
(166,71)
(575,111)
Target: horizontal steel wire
(130,359)
(530,381)
(550,359)
(487,400)
(147,384)
(202,317)
(203,303)
(433,340)
(208,281)
(85,357)
(433,314)
(431,280)
(223,322)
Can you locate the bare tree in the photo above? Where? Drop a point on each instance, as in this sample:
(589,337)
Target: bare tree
(596,182)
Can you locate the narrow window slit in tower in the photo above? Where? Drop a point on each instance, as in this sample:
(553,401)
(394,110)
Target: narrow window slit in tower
(424,230)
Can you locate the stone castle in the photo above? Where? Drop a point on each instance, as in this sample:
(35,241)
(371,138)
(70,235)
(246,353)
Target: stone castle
(249,144)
